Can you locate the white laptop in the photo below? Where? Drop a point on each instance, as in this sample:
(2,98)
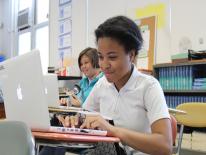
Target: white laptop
(51,89)
(23,90)
(22,85)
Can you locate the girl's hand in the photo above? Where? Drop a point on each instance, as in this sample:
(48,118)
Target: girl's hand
(63,101)
(61,119)
(96,122)
(69,121)
(75,100)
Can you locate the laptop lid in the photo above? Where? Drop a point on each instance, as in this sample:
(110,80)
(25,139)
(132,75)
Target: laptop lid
(22,85)
(51,90)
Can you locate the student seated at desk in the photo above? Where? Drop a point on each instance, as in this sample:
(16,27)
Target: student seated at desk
(89,66)
(135,101)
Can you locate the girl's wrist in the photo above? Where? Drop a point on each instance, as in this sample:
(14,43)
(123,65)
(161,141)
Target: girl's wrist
(112,130)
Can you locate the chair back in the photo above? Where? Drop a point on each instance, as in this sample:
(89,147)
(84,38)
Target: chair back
(16,139)
(195,114)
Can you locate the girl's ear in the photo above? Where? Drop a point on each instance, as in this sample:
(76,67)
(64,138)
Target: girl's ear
(132,56)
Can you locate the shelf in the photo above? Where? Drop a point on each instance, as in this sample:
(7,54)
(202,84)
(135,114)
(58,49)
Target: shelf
(193,62)
(185,91)
(178,81)
(69,77)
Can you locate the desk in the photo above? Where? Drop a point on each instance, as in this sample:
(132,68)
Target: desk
(176,111)
(64,109)
(69,140)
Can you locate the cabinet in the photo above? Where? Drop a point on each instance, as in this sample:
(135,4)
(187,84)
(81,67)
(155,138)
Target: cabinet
(182,82)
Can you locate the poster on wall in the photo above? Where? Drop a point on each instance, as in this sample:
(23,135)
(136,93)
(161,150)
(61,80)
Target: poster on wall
(147,53)
(146,37)
(65,26)
(63,1)
(64,41)
(65,11)
(65,36)
(65,57)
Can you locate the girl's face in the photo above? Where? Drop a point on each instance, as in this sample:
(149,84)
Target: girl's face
(114,61)
(86,67)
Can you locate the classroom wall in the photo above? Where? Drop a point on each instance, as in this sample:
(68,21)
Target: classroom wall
(78,32)
(188,21)
(6,39)
(1,21)
(181,19)
(100,10)
(185,19)
(7,35)
(83,24)
(53,32)
(162,44)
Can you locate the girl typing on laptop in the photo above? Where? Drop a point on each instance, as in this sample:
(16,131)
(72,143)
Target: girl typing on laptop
(135,101)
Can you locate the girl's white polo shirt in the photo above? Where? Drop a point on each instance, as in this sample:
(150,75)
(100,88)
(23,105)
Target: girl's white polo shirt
(138,104)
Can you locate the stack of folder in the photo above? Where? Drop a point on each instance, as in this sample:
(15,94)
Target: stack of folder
(199,84)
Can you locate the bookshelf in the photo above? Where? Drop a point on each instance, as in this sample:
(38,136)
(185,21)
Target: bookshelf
(182,82)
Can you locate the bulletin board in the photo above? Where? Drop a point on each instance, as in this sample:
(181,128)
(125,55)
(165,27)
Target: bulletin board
(148,28)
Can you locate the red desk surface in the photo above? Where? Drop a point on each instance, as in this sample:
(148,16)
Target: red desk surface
(73,137)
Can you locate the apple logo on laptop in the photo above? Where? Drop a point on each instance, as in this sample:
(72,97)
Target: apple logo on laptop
(19,92)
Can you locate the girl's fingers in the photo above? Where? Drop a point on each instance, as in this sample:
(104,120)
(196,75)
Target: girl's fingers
(61,119)
(67,121)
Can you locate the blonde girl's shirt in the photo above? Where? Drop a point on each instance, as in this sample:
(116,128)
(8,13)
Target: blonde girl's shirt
(86,86)
(138,104)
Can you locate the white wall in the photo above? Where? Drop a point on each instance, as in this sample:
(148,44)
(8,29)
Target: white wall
(1,29)
(79,27)
(6,20)
(182,19)
(53,32)
(188,20)
(7,33)
(78,32)
(100,10)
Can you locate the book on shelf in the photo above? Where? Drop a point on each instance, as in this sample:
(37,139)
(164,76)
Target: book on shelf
(176,77)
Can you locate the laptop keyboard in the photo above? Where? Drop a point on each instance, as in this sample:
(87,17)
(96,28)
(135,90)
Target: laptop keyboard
(78,131)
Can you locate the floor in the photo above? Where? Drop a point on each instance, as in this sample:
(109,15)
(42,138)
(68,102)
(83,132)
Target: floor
(191,152)
(183,152)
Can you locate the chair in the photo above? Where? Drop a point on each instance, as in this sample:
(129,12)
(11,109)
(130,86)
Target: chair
(176,147)
(195,117)
(16,139)
(174,128)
